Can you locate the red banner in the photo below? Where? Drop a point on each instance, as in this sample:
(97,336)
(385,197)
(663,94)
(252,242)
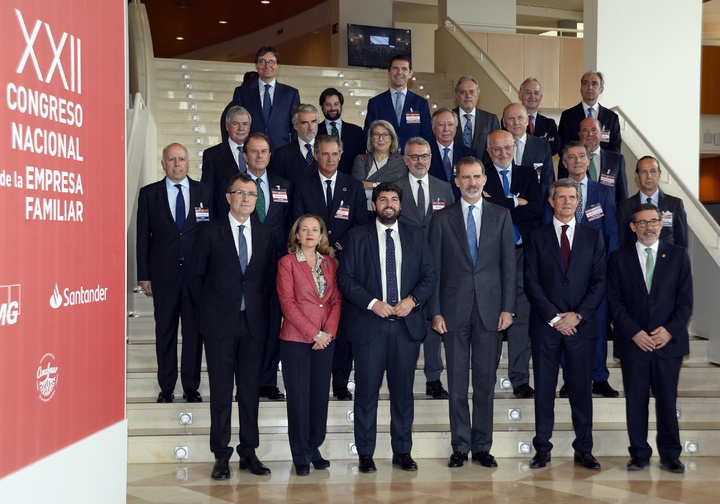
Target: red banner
(62,202)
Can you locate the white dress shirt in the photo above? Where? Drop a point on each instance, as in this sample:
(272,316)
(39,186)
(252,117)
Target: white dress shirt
(172,193)
(382,244)
(261,88)
(324,185)
(642,255)
(570,231)
(414,187)
(265,185)
(234,223)
(477,214)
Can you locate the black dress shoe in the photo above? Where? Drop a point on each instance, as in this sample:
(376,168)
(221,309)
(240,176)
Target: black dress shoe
(485,459)
(192,396)
(637,464)
(672,465)
(321,463)
(254,465)
(165,397)
(563,391)
(367,464)
(272,393)
(302,470)
(221,470)
(342,394)
(540,459)
(524,391)
(586,460)
(603,389)
(405,462)
(435,390)
(457,459)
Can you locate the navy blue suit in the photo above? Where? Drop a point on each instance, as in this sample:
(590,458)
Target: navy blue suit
(353,144)
(289,163)
(279,127)
(546,128)
(676,233)
(437,170)
(218,167)
(538,156)
(485,123)
(613,164)
(570,126)
(552,289)
(381,107)
(634,309)
(380,344)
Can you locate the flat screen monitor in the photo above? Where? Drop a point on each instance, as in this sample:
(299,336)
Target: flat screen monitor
(373,46)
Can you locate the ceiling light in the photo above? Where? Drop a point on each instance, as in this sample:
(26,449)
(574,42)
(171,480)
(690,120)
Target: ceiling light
(179,38)
(222,22)
(265,2)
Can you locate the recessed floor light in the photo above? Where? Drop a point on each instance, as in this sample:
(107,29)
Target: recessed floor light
(265,1)
(222,22)
(179,38)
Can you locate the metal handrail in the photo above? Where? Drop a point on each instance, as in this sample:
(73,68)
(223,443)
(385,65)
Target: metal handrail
(516,27)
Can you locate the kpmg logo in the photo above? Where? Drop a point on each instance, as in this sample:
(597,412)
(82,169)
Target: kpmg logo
(79,296)
(47,377)
(9,304)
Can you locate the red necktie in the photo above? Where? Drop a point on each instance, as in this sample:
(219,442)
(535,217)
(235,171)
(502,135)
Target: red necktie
(531,124)
(565,246)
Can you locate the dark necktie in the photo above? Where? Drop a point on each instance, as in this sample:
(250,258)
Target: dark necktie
(242,166)
(422,206)
(579,209)
(390,269)
(447,164)
(243,257)
(328,198)
(590,112)
(472,235)
(531,124)
(309,156)
(506,189)
(467,131)
(260,206)
(333,129)
(649,200)
(565,246)
(179,208)
(267,104)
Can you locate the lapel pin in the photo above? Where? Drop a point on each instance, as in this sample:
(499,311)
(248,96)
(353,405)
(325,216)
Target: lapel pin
(344,189)
(663,256)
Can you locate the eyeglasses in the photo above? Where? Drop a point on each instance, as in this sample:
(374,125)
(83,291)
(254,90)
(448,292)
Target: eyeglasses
(264,62)
(380,135)
(240,193)
(415,157)
(644,223)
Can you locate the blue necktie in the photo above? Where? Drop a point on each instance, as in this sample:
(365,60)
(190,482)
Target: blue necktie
(447,164)
(179,208)
(309,156)
(399,102)
(472,235)
(242,256)
(590,112)
(267,104)
(467,131)
(506,189)
(328,198)
(579,209)
(242,166)
(390,269)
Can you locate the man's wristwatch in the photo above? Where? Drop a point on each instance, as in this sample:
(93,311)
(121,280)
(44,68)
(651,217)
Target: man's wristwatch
(417,303)
(580,317)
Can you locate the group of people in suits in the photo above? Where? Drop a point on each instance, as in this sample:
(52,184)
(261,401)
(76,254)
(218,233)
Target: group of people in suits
(293,214)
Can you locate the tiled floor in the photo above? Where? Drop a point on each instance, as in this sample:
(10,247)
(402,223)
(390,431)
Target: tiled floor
(513,482)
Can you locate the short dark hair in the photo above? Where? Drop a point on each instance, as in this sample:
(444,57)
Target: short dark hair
(265,50)
(386,187)
(401,57)
(645,158)
(563,182)
(326,139)
(257,135)
(242,176)
(468,160)
(331,91)
(575,143)
(645,206)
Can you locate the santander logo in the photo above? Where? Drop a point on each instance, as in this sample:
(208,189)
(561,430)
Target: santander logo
(56,299)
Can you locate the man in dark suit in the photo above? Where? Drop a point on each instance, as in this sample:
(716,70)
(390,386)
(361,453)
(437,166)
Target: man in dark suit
(516,188)
(446,150)
(269,103)
(592,84)
(331,103)
(565,283)
(672,210)
(295,161)
(340,200)
(220,162)
(651,297)
(273,210)
(385,320)
(474,254)
(475,124)
(529,150)
(233,276)
(168,218)
(530,95)
(606,167)
(408,112)
(423,196)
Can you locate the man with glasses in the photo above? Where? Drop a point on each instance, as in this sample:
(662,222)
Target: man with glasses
(674,221)
(269,103)
(232,279)
(650,295)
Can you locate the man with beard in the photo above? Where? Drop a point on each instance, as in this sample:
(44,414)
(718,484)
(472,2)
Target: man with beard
(650,295)
(331,104)
(473,247)
(294,161)
(386,275)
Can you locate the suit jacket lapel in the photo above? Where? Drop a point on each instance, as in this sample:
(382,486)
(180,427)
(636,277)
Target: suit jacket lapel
(229,240)
(162,198)
(552,244)
(375,252)
(457,223)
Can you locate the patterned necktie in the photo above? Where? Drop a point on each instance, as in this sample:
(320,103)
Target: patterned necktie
(242,165)
(447,164)
(309,156)
(242,257)
(390,269)
(506,190)
(399,102)
(579,209)
(592,169)
(260,206)
(590,112)
(333,129)
(472,235)
(422,206)
(565,246)
(329,198)
(649,268)
(531,124)
(267,104)
(467,131)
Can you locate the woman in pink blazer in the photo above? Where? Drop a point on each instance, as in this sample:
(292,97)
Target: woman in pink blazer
(310,302)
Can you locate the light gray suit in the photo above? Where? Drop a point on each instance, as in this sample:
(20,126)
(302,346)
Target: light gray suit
(471,298)
(437,191)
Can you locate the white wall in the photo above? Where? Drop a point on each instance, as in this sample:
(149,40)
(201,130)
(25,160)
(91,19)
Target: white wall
(497,12)
(423,45)
(649,52)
